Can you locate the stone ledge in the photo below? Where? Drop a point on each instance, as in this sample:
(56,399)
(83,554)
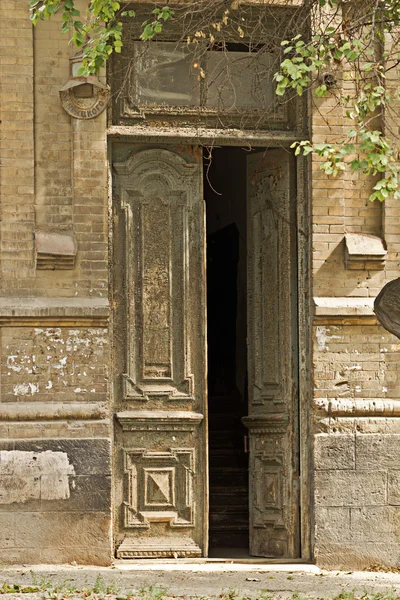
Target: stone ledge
(358,407)
(54,311)
(364,251)
(328,310)
(159,420)
(41,411)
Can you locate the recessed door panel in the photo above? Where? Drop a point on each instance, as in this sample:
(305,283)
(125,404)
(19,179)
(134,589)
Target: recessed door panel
(272,368)
(160,322)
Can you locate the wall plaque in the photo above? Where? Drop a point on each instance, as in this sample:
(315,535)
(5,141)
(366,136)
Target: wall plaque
(87,105)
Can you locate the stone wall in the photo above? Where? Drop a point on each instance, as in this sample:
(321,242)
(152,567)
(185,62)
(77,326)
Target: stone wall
(55,451)
(355,368)
(356,446)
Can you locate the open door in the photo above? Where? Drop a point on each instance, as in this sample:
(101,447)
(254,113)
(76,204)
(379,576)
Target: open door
(160,352)
(272,349)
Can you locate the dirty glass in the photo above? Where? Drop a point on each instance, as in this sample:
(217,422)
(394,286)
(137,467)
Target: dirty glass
(238,80)
(165,73)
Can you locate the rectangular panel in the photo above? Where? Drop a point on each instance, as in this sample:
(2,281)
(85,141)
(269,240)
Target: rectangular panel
(239,80)
(164,74)
(156,299)
(159,205)
(273,410)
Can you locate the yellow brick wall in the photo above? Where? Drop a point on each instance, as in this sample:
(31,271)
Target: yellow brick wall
(16,144)
(54,167)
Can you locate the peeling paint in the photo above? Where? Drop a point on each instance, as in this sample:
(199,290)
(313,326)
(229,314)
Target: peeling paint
(25,389)
(57,359)
(323,336)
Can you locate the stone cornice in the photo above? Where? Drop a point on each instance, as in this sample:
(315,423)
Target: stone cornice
(49,411)
(50,312)
(343,311)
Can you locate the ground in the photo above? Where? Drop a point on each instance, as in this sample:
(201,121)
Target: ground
(152,581)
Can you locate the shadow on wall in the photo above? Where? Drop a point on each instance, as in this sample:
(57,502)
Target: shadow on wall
(331,278)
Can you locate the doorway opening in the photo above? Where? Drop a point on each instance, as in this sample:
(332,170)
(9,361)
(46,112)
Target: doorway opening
(225,197)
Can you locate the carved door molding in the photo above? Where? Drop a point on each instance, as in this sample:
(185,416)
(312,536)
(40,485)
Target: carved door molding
(272,352)
(157,196)
(161,398)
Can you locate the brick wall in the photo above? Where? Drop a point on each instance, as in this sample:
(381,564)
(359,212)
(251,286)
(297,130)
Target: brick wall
(17,144)
(54,426)
(53,177)
(356,371)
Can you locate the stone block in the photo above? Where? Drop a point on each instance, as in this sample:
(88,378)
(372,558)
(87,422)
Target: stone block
(94,555)
(350,488)
(334,452)
(62,530)
(88,456)
(332,524)
(87,493)
(50,475)
(394,488)
(378,451)
(7,530)
(374,524)
(345,556)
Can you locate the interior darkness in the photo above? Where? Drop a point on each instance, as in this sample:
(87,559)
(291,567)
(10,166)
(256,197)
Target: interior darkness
(225,195)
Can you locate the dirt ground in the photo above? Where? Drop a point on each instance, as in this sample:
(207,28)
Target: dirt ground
(152,581)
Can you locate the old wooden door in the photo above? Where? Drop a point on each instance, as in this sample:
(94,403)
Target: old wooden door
(160,352)
(273,405)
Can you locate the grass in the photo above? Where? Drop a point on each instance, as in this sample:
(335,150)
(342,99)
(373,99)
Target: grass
(44,588)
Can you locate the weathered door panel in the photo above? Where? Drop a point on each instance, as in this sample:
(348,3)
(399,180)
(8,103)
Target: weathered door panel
(272,375)
(160,352)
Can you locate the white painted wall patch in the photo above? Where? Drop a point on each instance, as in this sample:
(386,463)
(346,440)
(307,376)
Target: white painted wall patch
(34,476)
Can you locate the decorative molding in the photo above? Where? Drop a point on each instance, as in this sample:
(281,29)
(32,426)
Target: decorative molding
(268,490)
(159,488)
(51,312)
(158,192)
(159,420)
(272,423)
(358,407)
(205,135)
(269,273)
(364,251)
(55,250)
(43,411)
(343,311)
(176,547)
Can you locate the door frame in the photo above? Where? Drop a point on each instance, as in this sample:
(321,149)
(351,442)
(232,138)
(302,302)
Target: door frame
(192,136)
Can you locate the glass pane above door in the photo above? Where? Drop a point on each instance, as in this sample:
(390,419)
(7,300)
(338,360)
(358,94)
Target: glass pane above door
(165,74)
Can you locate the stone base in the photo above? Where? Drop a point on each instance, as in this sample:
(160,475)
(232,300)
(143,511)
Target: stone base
(139,547)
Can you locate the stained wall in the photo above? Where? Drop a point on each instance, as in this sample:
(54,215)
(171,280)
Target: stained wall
(55,485)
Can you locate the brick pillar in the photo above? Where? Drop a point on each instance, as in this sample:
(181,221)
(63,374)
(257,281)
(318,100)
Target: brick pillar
(17,143)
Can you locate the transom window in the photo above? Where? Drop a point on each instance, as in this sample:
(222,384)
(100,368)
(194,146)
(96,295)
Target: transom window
(171,74)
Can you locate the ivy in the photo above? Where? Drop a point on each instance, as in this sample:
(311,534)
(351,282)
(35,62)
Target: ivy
(364,149)
(99,32)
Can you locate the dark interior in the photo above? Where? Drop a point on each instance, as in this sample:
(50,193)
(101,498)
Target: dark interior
(225,196)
